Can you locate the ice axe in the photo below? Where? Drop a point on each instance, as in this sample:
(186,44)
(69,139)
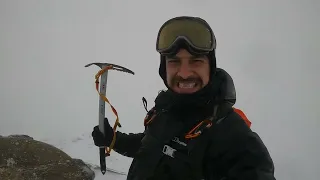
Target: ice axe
(105,67)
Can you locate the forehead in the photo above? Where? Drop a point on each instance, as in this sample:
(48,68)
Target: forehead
(184,54)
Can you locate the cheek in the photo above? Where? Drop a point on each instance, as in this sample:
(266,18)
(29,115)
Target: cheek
(169,78)
(205,80)
(205,76)
(170,73)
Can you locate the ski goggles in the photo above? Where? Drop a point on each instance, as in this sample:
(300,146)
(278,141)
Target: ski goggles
(194,31)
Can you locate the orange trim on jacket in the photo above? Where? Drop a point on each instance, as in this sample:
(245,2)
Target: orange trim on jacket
(243,116)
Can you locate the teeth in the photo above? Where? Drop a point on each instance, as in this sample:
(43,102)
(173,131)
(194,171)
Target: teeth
(186,85)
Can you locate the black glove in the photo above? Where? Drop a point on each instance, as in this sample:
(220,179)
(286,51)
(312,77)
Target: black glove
(98,138)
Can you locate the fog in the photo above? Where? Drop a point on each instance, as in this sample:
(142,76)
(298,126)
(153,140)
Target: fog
(270,48)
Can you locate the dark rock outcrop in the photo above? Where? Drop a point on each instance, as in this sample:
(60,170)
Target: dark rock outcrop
(23,158)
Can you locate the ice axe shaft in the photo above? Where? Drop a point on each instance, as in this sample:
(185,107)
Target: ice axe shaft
(105,67)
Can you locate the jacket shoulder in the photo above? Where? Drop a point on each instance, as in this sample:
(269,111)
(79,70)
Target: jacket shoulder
(235,122)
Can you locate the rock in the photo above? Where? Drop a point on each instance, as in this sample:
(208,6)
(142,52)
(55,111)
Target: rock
(23,158)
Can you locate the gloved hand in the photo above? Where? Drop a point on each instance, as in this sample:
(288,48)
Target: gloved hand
(101,140)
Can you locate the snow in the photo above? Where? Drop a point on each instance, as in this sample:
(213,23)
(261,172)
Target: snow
(100,176)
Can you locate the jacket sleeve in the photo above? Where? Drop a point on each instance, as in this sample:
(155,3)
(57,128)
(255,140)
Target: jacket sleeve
(128,144)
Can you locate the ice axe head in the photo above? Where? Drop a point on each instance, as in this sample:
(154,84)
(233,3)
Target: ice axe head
(113,67)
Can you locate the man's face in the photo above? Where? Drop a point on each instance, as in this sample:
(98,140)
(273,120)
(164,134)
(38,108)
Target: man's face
(187,73)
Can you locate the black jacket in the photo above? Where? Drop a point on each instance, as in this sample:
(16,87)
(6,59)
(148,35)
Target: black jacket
(228,150)
(234,152)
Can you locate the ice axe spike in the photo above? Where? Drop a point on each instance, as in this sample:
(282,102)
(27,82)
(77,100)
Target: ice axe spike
(105,67)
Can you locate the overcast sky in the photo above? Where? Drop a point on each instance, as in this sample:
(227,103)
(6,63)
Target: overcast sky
(270,48)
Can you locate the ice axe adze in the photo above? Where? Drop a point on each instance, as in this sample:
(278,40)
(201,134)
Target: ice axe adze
(105,151)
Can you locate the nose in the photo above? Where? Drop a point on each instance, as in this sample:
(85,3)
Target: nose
(184,70)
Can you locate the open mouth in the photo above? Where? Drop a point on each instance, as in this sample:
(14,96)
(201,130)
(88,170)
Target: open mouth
(187,85)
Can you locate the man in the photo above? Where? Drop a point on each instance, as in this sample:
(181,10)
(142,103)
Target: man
(193,132)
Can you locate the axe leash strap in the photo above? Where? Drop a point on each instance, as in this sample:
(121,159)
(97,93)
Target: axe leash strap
(117,123)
